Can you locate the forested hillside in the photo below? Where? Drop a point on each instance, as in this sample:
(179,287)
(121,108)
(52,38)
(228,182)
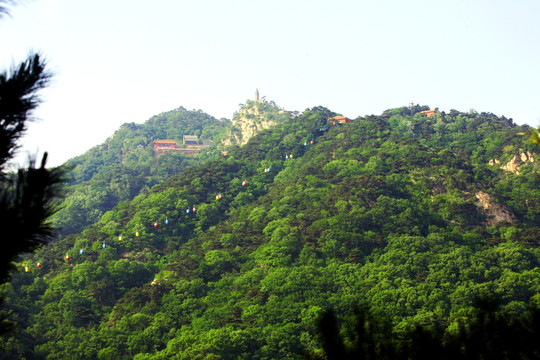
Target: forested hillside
(125,164)
(411,217)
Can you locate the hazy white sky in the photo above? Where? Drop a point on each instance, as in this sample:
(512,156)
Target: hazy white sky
(126,60)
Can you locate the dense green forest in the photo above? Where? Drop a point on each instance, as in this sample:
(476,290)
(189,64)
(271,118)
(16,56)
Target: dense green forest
(125,165)
(408,218)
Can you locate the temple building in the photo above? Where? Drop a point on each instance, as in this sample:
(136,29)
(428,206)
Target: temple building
(428,113)
(338,119)
(190,146)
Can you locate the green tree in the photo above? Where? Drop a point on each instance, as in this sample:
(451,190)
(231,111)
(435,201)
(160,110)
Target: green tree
(533,135)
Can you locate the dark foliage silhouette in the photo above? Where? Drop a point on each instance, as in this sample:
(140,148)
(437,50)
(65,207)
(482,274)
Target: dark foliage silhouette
(27,196)
(486,335)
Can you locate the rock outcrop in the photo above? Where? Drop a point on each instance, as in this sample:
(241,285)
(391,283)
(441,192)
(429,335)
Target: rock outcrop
(494,211)
(514,163)
(253,117)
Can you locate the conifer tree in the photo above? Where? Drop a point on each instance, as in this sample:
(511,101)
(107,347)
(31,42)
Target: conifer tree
(27,197)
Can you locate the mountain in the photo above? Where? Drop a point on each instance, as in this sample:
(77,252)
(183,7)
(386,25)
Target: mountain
(126,164)
(409,214)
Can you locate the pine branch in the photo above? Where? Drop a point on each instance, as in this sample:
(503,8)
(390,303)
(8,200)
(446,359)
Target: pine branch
(27,201)
(18,98)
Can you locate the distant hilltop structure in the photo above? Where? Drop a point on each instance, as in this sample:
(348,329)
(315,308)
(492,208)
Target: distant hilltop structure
(257,98)
(338,119)
(191,146)
(428,113)
(335,121)
(190,139)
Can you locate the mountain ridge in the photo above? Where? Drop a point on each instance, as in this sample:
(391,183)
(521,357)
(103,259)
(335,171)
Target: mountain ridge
(380,212)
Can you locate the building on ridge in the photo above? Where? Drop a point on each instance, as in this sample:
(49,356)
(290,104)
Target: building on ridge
(165,146)
(190,139)
(338,119)
(190,146)
(428,113)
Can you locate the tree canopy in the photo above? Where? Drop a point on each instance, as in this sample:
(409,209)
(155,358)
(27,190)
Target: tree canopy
(399,224)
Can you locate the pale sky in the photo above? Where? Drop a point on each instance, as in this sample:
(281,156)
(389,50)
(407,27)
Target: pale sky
(118,61)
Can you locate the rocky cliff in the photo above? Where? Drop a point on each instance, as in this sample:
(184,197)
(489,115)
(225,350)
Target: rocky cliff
(254,116)
(495,212)
(513,164)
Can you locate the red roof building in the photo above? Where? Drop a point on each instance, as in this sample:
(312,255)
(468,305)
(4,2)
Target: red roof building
(165,146)
(428,113)
(171,146)
(338,119)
